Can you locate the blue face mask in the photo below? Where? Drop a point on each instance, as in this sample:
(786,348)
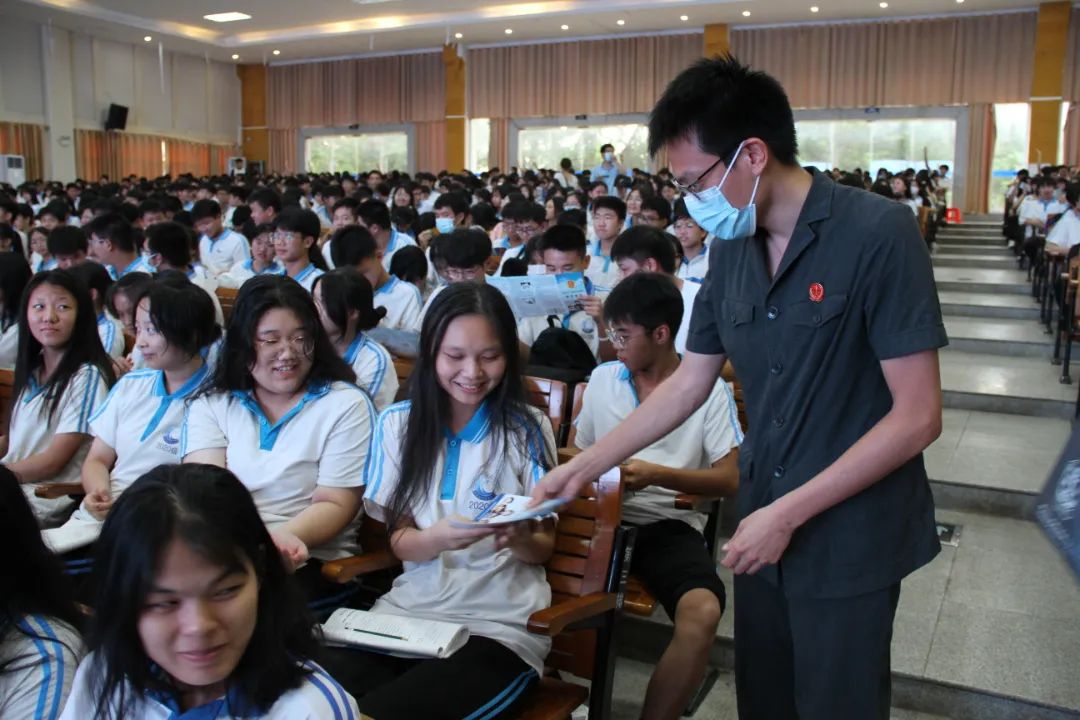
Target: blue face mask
(712,211)
(445,226)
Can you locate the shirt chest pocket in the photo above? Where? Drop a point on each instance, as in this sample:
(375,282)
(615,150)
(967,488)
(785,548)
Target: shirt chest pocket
(814,320)
(736,324)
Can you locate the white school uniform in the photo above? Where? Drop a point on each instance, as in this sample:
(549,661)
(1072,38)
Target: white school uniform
(305,277)
(374,370)
(200,278)
(139,264)
(319,697)
(427,306)
(490,591)
(1066,231)
(694,269)
(31,432)
(39,264)
(111,333)
(706,436)
(40,670)
(1032,208)
(243,271)
(511,253)
(9,346)
(402,302)
(603,272)
(324,440)
(689,291)
(579,321)
(397,241)
(219,254)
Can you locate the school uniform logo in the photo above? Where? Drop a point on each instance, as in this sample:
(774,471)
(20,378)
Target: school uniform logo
(484,488)
(170,441)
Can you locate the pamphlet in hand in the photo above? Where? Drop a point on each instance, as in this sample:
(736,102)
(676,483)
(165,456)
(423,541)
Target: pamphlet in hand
(506,509)
(542,295)
(408,637)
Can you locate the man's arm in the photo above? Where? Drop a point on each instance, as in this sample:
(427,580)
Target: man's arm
(666,407)
(721,479)
(906,430)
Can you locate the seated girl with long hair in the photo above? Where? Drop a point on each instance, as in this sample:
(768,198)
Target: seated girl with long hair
(281,411)
(62,375)
(464,435)
(196,613)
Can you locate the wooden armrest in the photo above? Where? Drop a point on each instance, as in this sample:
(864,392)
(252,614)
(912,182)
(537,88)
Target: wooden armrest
(566,454)
(553,620)
(700,503)
(53,491)
(344,570)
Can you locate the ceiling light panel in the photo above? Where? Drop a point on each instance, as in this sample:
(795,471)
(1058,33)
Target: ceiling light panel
(225,17)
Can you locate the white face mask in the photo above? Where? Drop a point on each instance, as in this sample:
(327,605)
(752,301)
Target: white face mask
(609,156)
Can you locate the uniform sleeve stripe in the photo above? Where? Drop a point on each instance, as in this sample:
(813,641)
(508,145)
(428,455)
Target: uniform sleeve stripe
(317,679)
(336,686)
(504,699)
(380,372)
(733,414)
(93,374)
(47,671)
(58,646)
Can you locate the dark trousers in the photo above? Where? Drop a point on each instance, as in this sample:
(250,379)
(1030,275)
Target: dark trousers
(812,659)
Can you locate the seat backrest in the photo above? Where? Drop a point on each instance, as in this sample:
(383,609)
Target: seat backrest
(403,369)
(7,398)
(579,400)
(551,396)
(227,298)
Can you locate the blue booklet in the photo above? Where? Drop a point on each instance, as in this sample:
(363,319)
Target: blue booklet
(506,509)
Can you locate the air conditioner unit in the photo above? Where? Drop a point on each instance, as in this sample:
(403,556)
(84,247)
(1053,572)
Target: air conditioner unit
(13,169)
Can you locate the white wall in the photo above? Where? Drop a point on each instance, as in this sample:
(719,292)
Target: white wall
(196,99)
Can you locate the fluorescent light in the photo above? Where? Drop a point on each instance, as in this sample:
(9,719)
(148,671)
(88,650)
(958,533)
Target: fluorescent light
(277,52)
(565,27)
(509,31)
(458,36)
(235,56)
(226,17)
(684,18)
(814,8)
(147,38)
(746,13)
(620,22)
(883,5)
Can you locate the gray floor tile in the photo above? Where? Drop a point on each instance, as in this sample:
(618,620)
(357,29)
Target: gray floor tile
(997,534)
(1001,375)
(978,275)
(1009,653)
(1038,585)
(1025,331)
(955,297)
(632,679)
(921,595)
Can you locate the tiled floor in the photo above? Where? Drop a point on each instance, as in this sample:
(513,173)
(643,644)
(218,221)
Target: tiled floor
(955,297)
(950,274)
(1006,376)
(1023,331)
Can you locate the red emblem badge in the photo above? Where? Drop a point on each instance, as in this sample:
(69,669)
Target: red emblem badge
(817,292)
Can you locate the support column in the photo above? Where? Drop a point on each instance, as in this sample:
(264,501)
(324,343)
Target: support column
(59,140)
(457,125)
(1047,84)
(717,40)
(254,135)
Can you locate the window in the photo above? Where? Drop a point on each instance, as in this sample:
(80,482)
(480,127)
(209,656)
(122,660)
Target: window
(357,153)
(1010,149)
(893,144)
(479,145)
(545,146)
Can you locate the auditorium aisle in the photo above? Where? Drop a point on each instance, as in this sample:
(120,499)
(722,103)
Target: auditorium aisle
(988,630)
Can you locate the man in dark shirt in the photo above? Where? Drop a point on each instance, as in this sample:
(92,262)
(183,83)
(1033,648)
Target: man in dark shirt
(823,298)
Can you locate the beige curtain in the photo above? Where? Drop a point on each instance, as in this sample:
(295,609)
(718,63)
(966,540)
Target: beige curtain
(117,155)
(982,132)
(499,145)
(602,77)
(283,151)
(939,61)
(430,146)
(27,140)
(1072,135)
(1072,58)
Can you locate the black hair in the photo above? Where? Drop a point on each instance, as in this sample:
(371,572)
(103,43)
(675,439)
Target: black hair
(523,211)
(241,214)
(350,203)
(719,103)
(83,348)
(1072,194)
(149,206)
(574,217)
(646,299)
(171,241)
(680,210)
(95,277)
(564,238)
(558,201)
(511,420)
(131,285)
(14,277)
(114,228)
(515,267)
(484,215)
(344,290)
(610,202)
(240,192)
(351,245)
(203,209)
(267,198)
(212,513)
(32,580)
(58,209)
(458,203)
(409,264)
(644,242)
(373,212)
(258,296)
(181,311)
(605,146)
(462,248)
(10,234)
(305,222)
(659,204)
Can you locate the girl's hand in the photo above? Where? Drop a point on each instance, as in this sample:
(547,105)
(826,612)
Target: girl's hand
(514,535)
(98,504)
(293,550)
(448,537)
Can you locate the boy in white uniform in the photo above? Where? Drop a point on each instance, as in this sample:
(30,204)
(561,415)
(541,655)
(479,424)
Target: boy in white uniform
(694,264)
(670,553)
(296,235)
(646,249)
(608,216)
(563,250)
(219,247)
(1066,231)
(375,216)
(461,255)
(356,247)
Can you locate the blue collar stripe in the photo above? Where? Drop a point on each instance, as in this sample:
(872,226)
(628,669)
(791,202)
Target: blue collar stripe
(268,434)
(388,285)
(88,399)
(474,432)
(625,376)
(166,400)
(374,467)
(333,702)
(354,348)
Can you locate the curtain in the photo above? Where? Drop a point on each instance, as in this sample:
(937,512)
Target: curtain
(982,132)
(283,151)
(1072,135)
(430,151)
(118,155)
(92,155)
(186,157)
(499,145)
(1072,59)
(606,77)
(27,140)
(938,61)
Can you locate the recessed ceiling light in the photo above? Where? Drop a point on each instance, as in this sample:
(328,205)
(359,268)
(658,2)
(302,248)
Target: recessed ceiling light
(235,56)
(458,36)
(883,5)
(959,2)
(565,27)
(684,18)
(277,52)
(147,38)
(227,17)
(746,13)
(814,8)
(620,22)
(509,31)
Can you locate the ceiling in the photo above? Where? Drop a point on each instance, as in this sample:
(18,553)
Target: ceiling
(332,28)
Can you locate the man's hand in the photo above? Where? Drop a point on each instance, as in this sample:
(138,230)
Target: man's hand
(562,481)
(593,307)
(638,474)
(761,538)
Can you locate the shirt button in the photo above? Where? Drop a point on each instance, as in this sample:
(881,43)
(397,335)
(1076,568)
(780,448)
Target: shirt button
(778,472)
(773,312)
(816,319)
(778,422)
(777,368)
(453,443)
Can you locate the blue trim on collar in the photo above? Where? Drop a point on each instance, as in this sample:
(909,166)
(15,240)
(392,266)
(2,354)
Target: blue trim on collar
(231,705)
(626,377)
(268,433)
(354,348)
(474,432)
(133,267)
(166,399)
(304,273)
(597,251)
(388,285)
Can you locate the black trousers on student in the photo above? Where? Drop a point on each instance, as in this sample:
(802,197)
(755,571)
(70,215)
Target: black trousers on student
(482,681)
(811,659)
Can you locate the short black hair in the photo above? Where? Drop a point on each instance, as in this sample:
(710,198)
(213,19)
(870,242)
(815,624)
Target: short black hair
(149,206)
(266,198)
(644,242)
(719,102)
(610,202)
(171,241)
(605,146)
(373,212)
(409,264)
(66,240)
(305,222)
(95,277)
(575,217)
(523,211)
(1072,193)
(344,289)
(181,311)
(351,245)
(457,202)
(58,209)
(660,205)
(462,248)
(646,299)
(564,238)
(350,203)
(114,228)
(203,209)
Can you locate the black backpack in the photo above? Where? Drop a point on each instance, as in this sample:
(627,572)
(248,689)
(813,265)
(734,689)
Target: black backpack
(560,354)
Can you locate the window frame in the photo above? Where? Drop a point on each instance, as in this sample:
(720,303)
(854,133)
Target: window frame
(311,133)
(516,125)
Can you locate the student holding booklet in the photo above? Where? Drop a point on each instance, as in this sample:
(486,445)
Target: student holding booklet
(465,435)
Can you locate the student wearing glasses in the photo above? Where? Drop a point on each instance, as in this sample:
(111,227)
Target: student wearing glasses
(296,235)
(460,257)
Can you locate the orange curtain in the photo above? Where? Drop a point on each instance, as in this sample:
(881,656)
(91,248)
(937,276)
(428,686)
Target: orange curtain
(982,133)
(430,145)
(499,145)
(939,61)
(1072,135)
(283,151)
(27,140)
(186,157)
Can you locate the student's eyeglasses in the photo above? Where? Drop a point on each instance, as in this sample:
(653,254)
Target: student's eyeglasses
(693,188)
(454,274)
(301,344)
(281,237)
(619,341)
